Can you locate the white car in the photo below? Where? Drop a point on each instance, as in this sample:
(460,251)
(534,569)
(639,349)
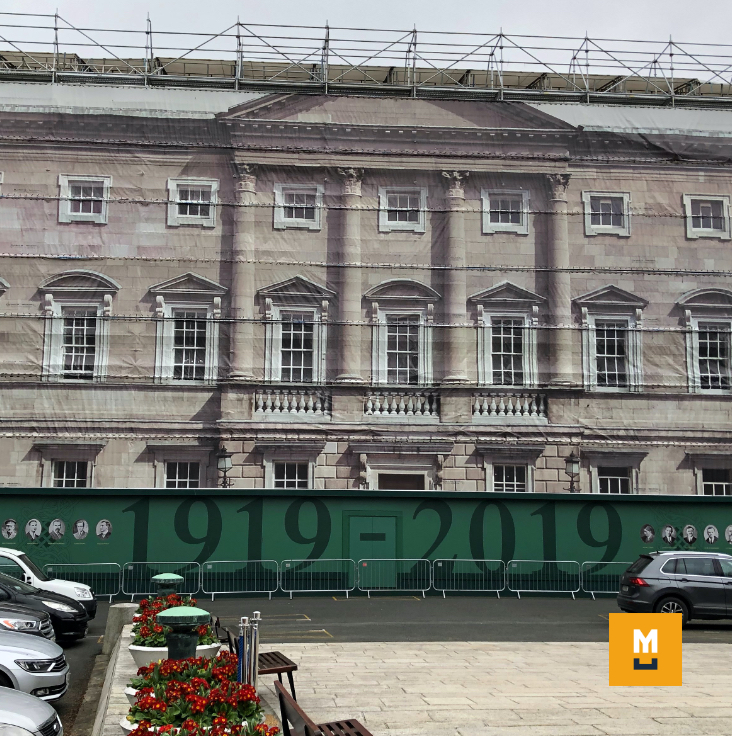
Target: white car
(21,715)
(19,565)
(33,665)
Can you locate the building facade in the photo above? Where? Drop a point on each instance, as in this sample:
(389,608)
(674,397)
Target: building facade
(363,293)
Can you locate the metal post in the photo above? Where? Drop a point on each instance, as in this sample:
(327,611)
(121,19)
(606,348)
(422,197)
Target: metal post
(55,46)
(243,673)
(254,652)
(324,60)
(238,54)
(414,62)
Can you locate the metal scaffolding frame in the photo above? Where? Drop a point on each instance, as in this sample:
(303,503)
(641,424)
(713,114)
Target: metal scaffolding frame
(327,60)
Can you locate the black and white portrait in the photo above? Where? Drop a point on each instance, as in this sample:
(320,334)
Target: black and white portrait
(689,534)
(648,533)
(728,534)
(56,529)
(10,529)
(81,529)
(33,529)
(668,534)
(711,534)
(104,529)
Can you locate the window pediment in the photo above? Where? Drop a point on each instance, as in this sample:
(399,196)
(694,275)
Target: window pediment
(402,290)
(79,281)
(4,286)
(297,290)
(610,298)
(714,299)
(188,285)
(507,295)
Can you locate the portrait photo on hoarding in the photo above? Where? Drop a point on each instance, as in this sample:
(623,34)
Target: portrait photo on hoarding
(104,529)
(668,534)
(711,534)
(33,529)
(648,533)
(689,534)
(10,529)
(81,529)
(56,529)
(728,534)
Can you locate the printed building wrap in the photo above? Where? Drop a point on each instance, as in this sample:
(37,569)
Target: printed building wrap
(358,292)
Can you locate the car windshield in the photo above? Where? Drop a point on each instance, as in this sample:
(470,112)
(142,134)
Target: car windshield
(13,584)
(639,565)
(34,568)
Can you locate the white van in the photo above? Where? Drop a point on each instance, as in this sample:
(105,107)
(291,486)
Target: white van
(18,565)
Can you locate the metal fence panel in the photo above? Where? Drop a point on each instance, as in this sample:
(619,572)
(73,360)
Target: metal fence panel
(602,577)
(469,575)
(543,576)
(313,576)
(136,576)
(398,575)
(239,576)
(104,578)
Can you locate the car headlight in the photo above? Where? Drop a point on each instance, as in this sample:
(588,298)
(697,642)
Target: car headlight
(58,606)
(36,665)
(19,624)
(83,593)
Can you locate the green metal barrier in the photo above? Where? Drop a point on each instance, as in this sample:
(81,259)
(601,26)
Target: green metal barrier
(543,576)
(239,576)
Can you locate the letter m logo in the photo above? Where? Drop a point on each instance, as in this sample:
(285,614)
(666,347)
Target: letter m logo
(645,641)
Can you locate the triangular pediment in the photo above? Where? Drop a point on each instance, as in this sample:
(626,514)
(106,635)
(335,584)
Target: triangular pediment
(507,293)
(611,296)
(296,289)
(4,286)
(188,283)
(402,290)
(79,280)
(394,112)
(706,299)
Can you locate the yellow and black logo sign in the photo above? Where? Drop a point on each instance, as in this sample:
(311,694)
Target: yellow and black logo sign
(645,649)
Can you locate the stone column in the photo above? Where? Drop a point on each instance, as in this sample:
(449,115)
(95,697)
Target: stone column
(455,285)
(350,287)
(242,275)
(560,305)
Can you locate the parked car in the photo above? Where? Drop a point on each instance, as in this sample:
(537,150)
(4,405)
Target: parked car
(26,621)
(19,565)
(698,585)
(21,714)
(33,665)
(68,617)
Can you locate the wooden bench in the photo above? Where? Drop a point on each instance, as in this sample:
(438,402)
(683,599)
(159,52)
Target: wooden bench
(269,663)
(296,723)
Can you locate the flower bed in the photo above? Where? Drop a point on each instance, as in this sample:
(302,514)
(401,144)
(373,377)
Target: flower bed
(149,633)
(185,697)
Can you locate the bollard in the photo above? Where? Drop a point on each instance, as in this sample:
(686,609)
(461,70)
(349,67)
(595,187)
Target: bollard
(254,651)
(183,622)
(119,615)
(166,583)
(243,675)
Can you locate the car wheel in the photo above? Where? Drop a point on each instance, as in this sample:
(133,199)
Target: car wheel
(674,605)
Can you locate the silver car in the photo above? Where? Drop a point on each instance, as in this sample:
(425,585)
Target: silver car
(21,714)
(33,665)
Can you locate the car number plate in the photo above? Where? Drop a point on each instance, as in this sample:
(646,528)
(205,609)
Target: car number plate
(624,588)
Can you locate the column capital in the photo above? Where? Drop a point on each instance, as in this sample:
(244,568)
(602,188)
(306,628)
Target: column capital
(246,175)
(351,180)
(558,184)
(455,183)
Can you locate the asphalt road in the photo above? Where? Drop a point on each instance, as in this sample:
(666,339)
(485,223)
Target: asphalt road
(80,655)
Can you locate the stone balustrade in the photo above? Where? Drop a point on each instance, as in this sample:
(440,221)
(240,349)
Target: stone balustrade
(526,405)
(414,403)
(292,402)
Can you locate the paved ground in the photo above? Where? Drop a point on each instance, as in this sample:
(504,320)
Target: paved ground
(504,689)
(80,656)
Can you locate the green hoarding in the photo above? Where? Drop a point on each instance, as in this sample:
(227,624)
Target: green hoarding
(162,525)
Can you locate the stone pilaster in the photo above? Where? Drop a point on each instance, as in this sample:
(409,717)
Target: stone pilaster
(242,274)
(559,294)
(350,278)
(455,284)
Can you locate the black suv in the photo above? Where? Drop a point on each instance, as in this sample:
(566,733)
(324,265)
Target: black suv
(697,585)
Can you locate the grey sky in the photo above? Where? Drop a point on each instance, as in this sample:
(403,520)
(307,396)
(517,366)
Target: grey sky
(699,21)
